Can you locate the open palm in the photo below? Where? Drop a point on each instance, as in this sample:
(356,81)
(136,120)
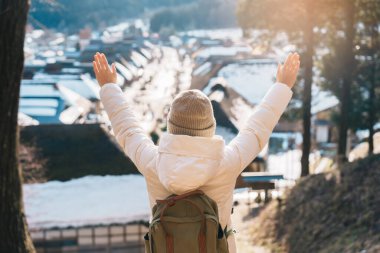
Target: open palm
(103,72)
(287,73)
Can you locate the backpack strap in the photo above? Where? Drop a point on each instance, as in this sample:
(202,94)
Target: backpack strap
(171,202)
(228,232)
(172,199)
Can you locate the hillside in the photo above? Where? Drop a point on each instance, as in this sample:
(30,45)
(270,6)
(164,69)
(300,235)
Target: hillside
(73,15)
(326,213)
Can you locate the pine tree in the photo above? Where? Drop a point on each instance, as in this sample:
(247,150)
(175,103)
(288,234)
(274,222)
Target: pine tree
(369,52)
(297,18)
(350,68)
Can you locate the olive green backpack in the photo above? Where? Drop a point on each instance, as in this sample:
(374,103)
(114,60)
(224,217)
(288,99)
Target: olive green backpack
(186,223)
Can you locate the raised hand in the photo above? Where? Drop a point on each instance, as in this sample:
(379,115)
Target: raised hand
(104,74)
(287,73)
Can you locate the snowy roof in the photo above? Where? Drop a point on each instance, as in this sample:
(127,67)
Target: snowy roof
(202,69)
(39,76)
(233,104)
(322,100)
(40,101)
(216,33)
(89,200)
(38,81)
(128,75)
(39,111)
(222,51)
(79,106)
(83,88)
(29,102)
(250,78)
(138,59)
(39,90)
(46,102)
(25,120)
(226,133)
(146,53)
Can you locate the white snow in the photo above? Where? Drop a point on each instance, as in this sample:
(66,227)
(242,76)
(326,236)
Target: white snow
(232,33)
(89,200)
(251,78)
(221,51)
(362,134)
(240,111)
(25,120)
(149,104)
(203,69)
(286,163)
(322,100)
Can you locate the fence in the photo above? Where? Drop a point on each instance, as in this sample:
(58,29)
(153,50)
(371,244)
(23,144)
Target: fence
(95,239)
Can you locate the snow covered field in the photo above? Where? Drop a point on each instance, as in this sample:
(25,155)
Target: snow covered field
(86,201)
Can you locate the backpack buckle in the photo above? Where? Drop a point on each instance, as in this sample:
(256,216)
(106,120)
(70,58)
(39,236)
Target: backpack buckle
(171,202)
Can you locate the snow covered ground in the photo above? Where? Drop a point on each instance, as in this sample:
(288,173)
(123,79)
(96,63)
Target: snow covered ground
(89,200)
(93,200)
(286,163)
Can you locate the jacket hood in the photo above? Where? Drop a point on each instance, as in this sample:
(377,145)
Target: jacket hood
(187,162)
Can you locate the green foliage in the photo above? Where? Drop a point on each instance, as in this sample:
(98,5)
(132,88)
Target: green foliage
(366,66)
(296,18)
(329,24)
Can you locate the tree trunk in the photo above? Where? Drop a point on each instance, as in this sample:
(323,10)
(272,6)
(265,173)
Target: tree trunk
(372,92)
(349,62)
(308,64)
(14,235)
(372,111)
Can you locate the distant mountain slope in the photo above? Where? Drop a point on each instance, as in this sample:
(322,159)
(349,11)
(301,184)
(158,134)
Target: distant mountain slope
(74,14)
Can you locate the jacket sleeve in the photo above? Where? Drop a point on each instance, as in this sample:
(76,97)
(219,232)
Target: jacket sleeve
(129,134)
(255,134)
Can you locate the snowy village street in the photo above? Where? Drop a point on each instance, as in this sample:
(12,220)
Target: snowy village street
(152,94)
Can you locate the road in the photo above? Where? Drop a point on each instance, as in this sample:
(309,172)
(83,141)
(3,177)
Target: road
(241,220)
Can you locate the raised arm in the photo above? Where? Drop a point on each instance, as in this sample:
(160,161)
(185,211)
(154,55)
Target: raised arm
(128,132)
(256,132)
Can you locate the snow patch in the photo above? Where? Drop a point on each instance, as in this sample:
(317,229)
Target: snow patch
(90,200)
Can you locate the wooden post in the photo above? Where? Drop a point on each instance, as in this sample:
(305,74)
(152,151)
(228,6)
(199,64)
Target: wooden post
(109,238)
(140,242)
(125,233)
(93,236)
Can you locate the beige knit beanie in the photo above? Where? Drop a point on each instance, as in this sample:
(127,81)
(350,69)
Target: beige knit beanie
(191,114)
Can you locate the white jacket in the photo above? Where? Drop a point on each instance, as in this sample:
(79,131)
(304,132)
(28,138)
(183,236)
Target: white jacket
(183,163)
